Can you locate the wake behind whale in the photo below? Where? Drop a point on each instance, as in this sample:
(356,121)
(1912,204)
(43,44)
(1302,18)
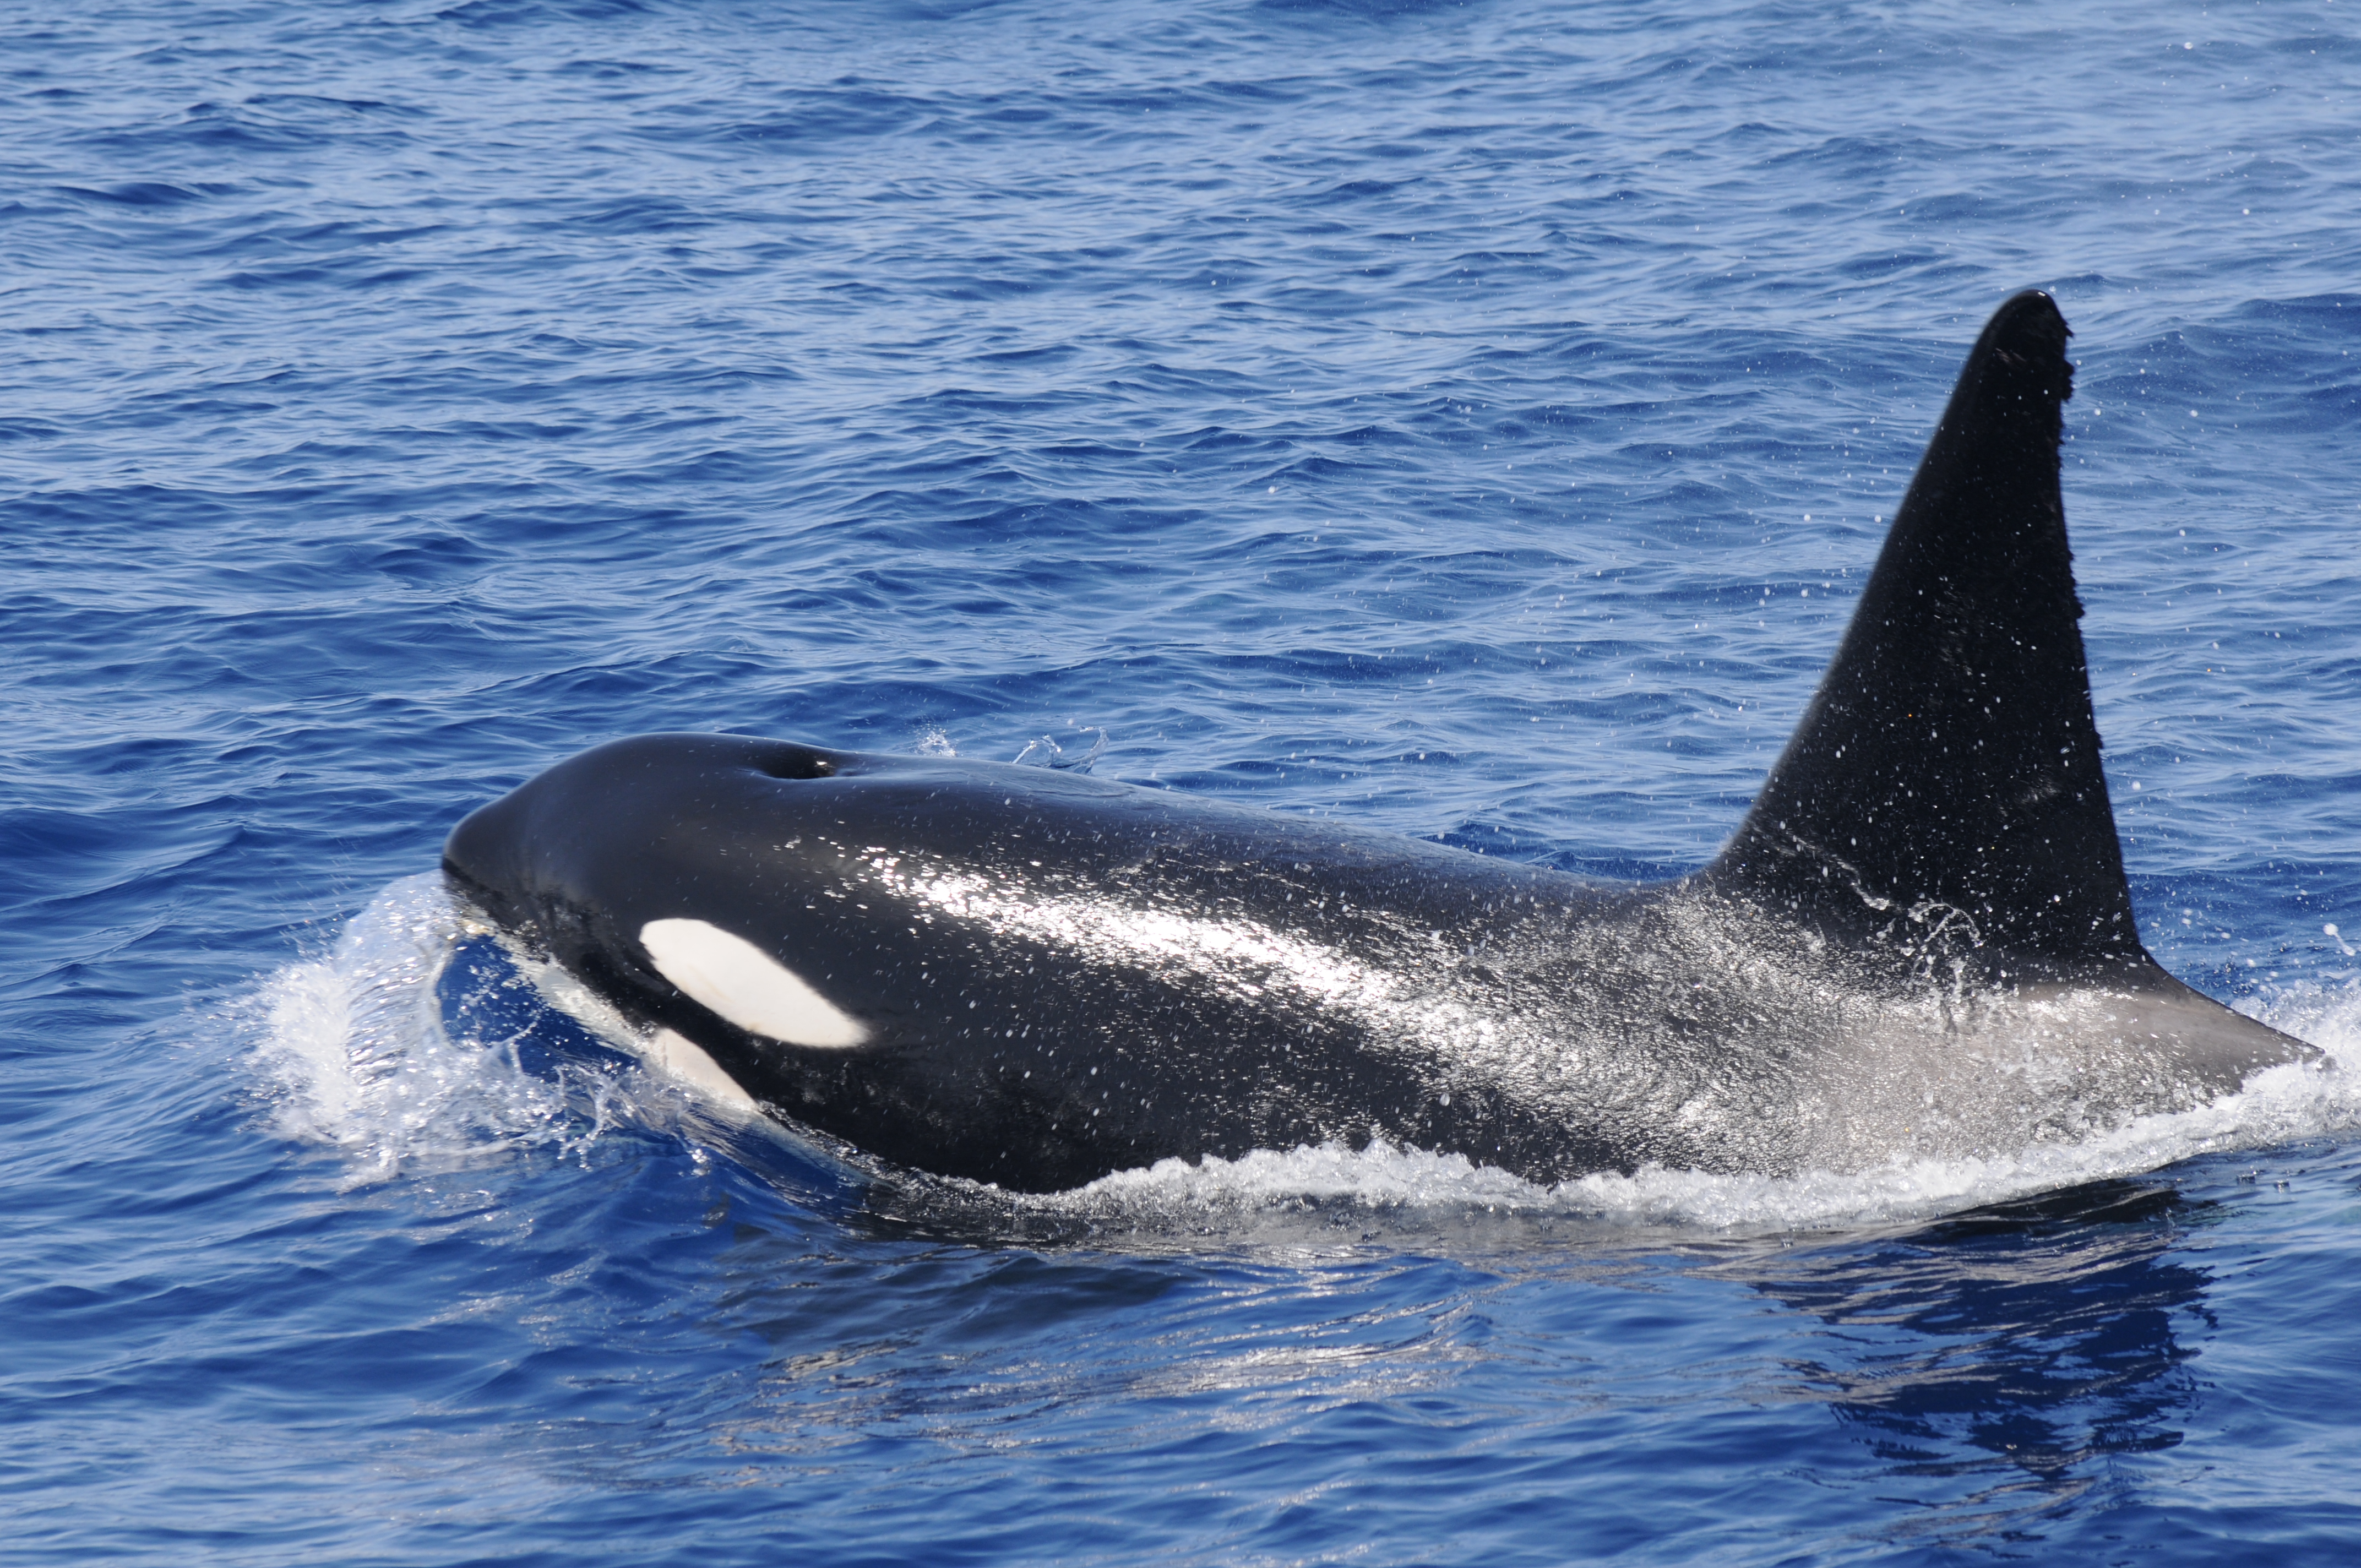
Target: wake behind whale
(1919,943)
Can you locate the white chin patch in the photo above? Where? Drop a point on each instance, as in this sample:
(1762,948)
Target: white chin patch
(684,1059)
(746,985)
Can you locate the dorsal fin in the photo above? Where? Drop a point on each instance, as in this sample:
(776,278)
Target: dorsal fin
(1950,757)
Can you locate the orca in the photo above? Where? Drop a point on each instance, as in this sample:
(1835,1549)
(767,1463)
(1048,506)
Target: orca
(1918,943)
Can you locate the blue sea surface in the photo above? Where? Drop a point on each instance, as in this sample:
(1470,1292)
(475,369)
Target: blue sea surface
(1473,421)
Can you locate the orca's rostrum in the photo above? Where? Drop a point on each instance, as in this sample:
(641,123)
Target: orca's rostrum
(1919,942)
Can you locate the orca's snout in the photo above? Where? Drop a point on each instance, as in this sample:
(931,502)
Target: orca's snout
(480,856)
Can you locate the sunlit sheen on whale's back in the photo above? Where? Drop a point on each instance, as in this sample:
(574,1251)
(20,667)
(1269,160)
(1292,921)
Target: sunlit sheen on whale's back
(1919,942)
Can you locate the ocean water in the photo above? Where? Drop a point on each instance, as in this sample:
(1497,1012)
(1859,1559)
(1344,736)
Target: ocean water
(1468,419)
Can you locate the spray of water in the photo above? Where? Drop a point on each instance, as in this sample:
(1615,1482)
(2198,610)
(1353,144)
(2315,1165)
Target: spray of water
(356,1055)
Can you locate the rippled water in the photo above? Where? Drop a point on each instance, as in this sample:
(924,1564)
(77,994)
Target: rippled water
(1473,421)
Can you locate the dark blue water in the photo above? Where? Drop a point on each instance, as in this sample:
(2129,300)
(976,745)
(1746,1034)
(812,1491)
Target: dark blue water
(1473,421)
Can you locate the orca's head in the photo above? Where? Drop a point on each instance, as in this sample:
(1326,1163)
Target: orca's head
(757,879)
(667,869)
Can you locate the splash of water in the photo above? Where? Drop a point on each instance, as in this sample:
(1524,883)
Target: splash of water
(356,1055)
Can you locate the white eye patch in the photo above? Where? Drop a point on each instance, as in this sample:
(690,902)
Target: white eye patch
(746,985)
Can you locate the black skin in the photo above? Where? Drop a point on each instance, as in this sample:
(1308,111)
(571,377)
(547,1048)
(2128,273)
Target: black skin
(1062,977)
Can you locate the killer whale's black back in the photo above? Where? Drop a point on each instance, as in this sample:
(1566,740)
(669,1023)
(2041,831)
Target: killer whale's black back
(1950,756)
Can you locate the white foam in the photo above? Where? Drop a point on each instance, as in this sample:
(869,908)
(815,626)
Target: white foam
(354,1047)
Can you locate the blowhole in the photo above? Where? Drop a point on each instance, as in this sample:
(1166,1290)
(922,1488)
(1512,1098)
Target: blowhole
(795,762)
